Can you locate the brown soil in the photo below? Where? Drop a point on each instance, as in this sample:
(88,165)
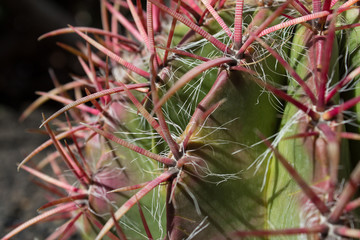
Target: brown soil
(20,197)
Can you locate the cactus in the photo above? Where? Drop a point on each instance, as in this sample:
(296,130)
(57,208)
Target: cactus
(218,119)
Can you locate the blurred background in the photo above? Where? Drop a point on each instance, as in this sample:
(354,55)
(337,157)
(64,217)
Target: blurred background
(24,60)
(24,65)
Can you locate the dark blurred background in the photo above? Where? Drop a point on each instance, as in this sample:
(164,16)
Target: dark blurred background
(24,64)
(24,61)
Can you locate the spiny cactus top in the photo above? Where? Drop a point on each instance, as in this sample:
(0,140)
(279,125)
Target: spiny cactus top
(219,119)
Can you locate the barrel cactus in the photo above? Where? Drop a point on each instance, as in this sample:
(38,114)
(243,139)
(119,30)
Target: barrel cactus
(217,119)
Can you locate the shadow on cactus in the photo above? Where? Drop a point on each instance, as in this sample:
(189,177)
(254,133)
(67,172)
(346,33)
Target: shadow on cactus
(218,119)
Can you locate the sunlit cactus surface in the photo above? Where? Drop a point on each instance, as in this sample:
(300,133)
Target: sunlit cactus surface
(206,119)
